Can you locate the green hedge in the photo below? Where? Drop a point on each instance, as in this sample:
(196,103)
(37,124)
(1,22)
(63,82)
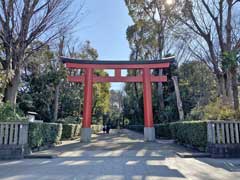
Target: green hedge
(163,130)
(193,133)
(71,131)
(41,134)
(190,132)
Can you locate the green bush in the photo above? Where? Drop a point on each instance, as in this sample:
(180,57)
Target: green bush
(71,131)
(8,114)
(190,132)
(163,130)
(213,111)
(218,111)
(41,134)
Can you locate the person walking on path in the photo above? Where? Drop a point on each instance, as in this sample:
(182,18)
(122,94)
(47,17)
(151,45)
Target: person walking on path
(104,128)
(108,128)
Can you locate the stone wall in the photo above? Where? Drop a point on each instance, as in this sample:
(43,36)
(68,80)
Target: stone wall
(9,152)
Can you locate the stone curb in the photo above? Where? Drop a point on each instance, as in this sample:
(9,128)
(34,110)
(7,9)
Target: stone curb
(193,155)
(41,156)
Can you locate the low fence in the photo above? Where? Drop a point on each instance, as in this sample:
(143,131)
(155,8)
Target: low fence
(13,140)
(223,132)
(223,138)
(13,133)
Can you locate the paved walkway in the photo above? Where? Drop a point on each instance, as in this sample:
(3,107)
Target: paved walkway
(118,156)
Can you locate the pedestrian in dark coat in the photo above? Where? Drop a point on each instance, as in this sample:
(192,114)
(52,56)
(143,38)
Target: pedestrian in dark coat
(108,128)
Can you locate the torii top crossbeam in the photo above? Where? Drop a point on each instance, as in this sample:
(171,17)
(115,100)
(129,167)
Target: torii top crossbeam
(117,66)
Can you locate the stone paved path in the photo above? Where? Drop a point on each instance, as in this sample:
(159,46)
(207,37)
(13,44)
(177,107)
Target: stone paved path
(118,156)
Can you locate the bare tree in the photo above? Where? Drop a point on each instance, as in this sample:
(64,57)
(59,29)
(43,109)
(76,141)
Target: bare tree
(22,23)
(217,42)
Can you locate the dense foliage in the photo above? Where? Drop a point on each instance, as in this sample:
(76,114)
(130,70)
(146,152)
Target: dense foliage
(9,114)
(214,111)
(197,85)
(44,75)
(207,58)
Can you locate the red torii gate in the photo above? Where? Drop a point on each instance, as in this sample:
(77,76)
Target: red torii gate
(89,78)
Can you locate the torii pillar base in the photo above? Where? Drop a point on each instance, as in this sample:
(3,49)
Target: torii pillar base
(149,134)
(86,134)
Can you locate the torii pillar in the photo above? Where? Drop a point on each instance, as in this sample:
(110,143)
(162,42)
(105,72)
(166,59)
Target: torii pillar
(149,130)
(86,130)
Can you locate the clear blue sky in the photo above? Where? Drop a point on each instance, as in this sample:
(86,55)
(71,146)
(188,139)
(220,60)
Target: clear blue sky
(104,25)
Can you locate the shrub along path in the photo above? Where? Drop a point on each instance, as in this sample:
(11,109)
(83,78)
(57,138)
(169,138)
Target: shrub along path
(117,156)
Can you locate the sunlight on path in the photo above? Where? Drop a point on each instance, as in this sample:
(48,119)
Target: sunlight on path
(117,156)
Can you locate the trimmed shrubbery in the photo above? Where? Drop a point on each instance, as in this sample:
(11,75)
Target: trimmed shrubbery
(163,130)
(46,134)
(193,133)
(42,134)
(190,132)
(71,131)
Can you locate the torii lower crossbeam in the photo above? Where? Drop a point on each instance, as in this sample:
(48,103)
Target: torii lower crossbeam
(89,78)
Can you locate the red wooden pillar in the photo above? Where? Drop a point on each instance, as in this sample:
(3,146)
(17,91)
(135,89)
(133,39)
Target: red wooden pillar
(149,131)
(147,95)
(88,93)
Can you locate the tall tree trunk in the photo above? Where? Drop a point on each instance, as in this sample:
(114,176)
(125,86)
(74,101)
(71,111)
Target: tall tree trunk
(221,88)
(229,89)
(56,102)
(11,90)
(161,43)
(57,88)
(160,92)
(235,89)
(179,100)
